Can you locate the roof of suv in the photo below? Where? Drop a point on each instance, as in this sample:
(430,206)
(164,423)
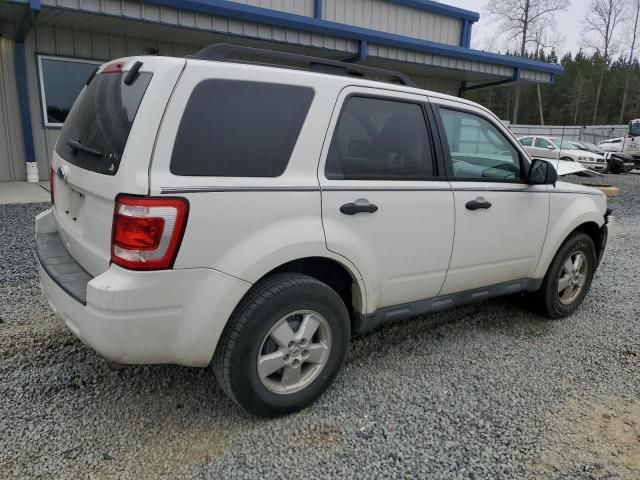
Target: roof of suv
(350,73)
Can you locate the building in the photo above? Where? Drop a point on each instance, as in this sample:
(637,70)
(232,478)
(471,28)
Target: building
(48,48)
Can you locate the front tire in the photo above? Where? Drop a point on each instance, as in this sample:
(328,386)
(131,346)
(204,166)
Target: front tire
(568,278)
(283,345)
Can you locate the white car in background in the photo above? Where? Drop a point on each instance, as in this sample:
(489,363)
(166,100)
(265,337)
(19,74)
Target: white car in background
(557,149)
(612,145)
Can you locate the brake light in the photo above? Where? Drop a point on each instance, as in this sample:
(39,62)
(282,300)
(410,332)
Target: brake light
(52,174)
(147,231)
(113,68)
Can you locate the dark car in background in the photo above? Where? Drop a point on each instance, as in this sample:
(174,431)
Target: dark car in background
(617,162)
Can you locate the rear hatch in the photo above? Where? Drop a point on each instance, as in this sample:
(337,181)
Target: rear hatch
(105,148)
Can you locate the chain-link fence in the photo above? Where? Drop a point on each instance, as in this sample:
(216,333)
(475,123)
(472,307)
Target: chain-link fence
(593,134)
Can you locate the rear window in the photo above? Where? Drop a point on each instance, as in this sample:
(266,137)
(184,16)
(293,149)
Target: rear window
(239,129)
(96,131)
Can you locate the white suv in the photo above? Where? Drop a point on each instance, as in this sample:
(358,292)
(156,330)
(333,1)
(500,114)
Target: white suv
(210,210)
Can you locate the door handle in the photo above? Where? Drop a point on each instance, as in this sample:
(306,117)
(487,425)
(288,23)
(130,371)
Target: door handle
(353,208)
(478,204)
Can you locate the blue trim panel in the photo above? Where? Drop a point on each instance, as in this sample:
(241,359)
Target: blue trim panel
(23,101)
(250,13)
(317,8)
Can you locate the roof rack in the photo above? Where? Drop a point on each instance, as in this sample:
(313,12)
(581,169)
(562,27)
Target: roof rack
(226,52)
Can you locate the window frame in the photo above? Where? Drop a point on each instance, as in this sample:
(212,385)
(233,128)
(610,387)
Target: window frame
(427,115)
(448,161)
(43,99)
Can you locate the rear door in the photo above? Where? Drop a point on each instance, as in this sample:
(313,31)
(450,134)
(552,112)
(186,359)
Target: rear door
(104,149)
(384,205)
(501,221)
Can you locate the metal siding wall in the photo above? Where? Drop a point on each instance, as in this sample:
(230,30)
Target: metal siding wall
(137,10)
(403,55)
(441,85)
(539,77)
(299,7)
(12,166)
(393,18)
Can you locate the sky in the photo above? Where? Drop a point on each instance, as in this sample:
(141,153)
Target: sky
(569,23)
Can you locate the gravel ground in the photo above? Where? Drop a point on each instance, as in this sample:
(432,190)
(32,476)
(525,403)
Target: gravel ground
(485,391)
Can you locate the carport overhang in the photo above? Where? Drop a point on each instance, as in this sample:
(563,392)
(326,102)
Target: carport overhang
(473,68)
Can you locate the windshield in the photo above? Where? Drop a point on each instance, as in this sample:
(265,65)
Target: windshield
(578,146)
(95,132)
(565,144)
(592,147)
(634,129)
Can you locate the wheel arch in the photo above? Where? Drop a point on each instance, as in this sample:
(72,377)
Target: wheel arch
(587,226)
(337,275)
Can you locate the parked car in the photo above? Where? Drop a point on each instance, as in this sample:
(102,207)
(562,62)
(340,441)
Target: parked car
(254,216)
(612,145)
(617,162)
(558,149)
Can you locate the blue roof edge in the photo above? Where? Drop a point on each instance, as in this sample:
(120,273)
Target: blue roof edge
(250,13)
(441,8)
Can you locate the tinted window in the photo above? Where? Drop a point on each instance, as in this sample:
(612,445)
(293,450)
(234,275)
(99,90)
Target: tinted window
(100,121)
(478,148)
(239,129)
(380,140)
(543,143)
(526,141)
(61,82)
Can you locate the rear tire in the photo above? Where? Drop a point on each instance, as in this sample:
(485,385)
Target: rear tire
(568,278)
(283,345)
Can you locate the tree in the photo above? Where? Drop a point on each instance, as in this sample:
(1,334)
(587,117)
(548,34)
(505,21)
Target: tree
(600,27)
(524,21)
(633,37)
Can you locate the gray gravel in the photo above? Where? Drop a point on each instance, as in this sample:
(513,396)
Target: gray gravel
(485,391)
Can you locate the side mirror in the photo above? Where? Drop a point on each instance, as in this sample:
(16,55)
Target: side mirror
(542,173)
(550,147)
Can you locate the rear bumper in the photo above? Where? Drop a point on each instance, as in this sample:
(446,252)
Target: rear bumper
(165,316)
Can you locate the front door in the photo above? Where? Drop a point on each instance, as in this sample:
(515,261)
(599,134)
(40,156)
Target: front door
(501,221)
(545,149)
(384,207)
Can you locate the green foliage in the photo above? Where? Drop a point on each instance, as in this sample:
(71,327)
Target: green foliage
(570,99)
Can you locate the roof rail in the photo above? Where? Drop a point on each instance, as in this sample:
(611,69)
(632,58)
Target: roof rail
(226,52)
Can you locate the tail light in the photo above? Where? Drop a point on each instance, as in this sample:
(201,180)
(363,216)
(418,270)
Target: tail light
(147,231)
(52,175)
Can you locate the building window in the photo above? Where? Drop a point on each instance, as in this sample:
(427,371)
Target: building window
(61,80)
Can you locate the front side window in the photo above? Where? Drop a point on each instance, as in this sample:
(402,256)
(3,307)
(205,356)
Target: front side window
(233,128)
(377,139)
(478,148)
(634,129)
(61,81)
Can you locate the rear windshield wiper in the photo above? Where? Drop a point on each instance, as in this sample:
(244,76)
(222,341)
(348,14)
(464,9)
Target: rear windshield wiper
(76,145)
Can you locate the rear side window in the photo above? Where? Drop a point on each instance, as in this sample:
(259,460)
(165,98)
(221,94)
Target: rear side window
(526,141)
(239,129)
(378,139)
(97,128)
